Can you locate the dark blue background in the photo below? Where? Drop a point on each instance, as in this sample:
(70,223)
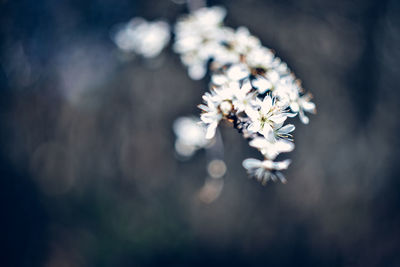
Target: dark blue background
(88,175)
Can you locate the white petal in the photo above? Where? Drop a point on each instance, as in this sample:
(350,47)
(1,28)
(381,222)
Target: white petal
(246,86)
(209,117)
(251,163)
(288,128)
(308,106)
(273,76)
(294,106)
(254,127)
(304,119)
(267,131)
(258,142)
(225,93)
(253,114)
(284,146)
(262,84)
(279,118)
(282,165)
(270,153)
(211,130)
(237,72)
(268,164)
(219,79)
(266,104)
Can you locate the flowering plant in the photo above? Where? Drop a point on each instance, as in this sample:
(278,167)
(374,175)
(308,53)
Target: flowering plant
(250,87)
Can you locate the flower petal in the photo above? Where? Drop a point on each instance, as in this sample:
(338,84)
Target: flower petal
(262,84)
(211,130)
(237,72)
(251,163)
(288,128)
(266,104)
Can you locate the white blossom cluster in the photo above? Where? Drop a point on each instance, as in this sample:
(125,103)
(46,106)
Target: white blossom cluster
(250,87)
(143,37)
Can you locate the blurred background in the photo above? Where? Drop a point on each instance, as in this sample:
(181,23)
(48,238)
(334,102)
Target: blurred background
(88,173)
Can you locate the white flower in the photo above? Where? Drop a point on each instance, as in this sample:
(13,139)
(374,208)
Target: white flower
(230,97)
(243,96)
(237,92)
(142,37)
(268,117)
(268,81)
(243,42)
(190,136)
(305,105)
(289,92)
(238,72)
(262,84)
(211,114)
(208,17)
(234,73)
(260,57)
(265,170)
(224,93)
(197,37)
(271,148)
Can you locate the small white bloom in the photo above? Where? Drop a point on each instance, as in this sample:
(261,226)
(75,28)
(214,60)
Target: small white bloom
(262,84)
(243,42)
(143,37)
(225,107)
(288,92)
(211,113)
(234,73)
(268,81)
(190,136)
(268,117)
(305,105)
(219,79)
(238,72)
(265,170)
(209,17)
(197,37)
(273,76)
(260,57)
(243,96)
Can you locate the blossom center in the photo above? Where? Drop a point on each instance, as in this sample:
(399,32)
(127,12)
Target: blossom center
(225,107)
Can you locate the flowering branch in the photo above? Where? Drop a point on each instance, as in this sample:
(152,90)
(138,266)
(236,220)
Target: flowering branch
(250,87)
